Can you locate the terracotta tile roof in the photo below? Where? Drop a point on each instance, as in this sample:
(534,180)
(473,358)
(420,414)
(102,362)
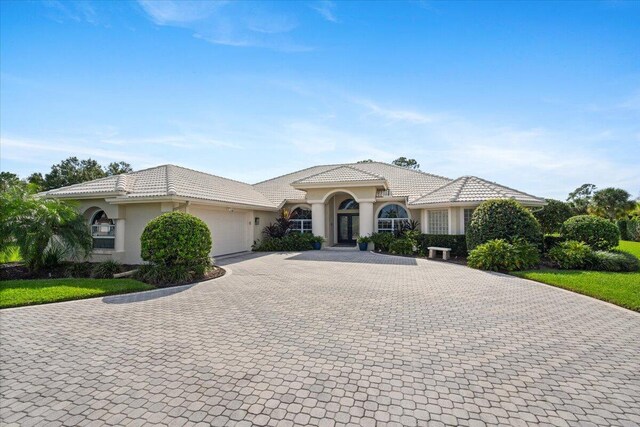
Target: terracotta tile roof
(419,188)
(473,189)
(402,182)
(340,174)
(169,180)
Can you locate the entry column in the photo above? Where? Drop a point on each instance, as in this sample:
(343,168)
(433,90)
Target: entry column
(317,219)
(366,218)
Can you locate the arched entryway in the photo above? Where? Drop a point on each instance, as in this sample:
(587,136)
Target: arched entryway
(348,221)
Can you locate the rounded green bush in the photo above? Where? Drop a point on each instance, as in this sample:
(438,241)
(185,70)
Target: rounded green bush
(553,215)
(615,261)
(500,255)
(572,255)
(599,233)
(502,219)
(176,239)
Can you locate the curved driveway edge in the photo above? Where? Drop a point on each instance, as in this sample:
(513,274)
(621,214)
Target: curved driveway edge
(324,338)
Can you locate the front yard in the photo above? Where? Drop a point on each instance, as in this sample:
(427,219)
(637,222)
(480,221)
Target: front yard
(16,293)
(622,289)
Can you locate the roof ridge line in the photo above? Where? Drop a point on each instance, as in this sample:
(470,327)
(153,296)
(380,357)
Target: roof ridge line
(513,189)
(436,189)
(464,179)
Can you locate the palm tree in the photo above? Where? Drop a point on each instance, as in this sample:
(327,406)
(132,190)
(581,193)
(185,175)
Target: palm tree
(43,229)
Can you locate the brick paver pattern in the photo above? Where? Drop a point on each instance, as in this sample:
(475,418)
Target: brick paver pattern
(325,338)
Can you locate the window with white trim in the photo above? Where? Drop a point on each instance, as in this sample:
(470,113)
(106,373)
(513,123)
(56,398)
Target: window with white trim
(301,220)
(391,218)
(439,222)
(103,231)
(467,217)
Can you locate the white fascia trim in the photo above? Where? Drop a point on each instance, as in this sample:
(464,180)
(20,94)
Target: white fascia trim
(466,204)
(192,201)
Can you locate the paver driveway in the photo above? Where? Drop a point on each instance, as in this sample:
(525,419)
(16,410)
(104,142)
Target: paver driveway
(324,337)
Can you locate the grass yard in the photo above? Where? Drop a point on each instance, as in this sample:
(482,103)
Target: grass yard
(622,289)
(632,247)
(16,293)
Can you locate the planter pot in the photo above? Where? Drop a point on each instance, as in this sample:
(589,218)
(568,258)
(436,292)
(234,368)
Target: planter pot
(363,246)
(316,246)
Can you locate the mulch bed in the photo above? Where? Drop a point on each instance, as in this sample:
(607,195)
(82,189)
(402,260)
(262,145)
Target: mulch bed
(18,271)
(215,273)
(453,260)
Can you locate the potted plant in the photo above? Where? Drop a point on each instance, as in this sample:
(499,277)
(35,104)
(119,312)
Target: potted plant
(363,242)
(316,242)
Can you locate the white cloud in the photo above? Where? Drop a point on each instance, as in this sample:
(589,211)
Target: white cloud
(236,24)
(396,115)
(326,9)
(179,12)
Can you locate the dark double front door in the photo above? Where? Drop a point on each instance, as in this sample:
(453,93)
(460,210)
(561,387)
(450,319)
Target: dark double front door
(348,228)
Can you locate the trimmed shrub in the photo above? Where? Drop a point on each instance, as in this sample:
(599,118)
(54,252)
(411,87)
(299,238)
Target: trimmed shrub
(553,215)
(106,269)
(457,243)
(402,246)
(160,275)
(176,238)
(502,220)
(597,232)
(572,255)
(633,229)
(382,241)
(615,261)
(623,227)
(549,241)
(292,242)
(526,255)
(500,255)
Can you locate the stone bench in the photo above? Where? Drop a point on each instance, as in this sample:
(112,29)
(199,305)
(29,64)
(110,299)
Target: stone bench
(445,252)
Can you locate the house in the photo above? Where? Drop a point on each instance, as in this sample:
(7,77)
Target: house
(339,202)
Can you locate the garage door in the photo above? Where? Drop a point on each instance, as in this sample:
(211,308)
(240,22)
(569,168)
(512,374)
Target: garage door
(229,230)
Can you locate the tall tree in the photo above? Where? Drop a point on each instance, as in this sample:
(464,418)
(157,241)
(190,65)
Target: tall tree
(8,180)
(72,171)
(611,203)
(580,198)
(406,163)
(117,168)
(37,180)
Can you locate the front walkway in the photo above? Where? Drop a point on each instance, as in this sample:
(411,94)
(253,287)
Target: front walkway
(323,337)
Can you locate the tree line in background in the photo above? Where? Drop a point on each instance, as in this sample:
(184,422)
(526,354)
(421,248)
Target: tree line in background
(68,172)
(610,203)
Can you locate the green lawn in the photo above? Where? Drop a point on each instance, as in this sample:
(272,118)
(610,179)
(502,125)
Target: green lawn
(15,293)
(622,289)
(631,247)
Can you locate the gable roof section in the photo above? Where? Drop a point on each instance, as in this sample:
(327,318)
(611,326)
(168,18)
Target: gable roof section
(340,174)
(474,189)
(167,181)
(401,182)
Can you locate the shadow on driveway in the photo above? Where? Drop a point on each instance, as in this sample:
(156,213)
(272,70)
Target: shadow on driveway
(356,257)
(145,296)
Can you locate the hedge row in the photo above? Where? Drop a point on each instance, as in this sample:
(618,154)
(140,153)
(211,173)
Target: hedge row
(457,243)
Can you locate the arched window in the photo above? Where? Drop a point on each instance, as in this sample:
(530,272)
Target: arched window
(301,220)
(348,204)
(391,218)
(103,231)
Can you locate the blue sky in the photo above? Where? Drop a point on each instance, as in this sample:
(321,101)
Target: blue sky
(542,97)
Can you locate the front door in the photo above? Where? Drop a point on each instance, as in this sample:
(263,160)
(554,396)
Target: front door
(348,228)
